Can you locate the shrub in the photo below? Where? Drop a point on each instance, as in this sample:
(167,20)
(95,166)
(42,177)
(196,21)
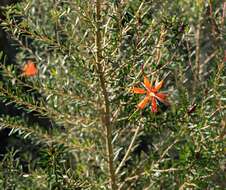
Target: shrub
(89,55)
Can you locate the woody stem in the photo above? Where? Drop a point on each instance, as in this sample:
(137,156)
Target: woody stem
(106,113)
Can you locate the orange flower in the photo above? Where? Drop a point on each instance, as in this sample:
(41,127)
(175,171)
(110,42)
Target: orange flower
(152,95)
(29,69)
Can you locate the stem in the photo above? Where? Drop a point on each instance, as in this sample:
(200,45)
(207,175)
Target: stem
(197,51)
(128,151)
(106,112)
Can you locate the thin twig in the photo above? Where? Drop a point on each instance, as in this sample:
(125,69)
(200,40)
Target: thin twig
(197,51)
(128,151)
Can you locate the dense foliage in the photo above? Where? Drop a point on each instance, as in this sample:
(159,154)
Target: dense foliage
(89,54)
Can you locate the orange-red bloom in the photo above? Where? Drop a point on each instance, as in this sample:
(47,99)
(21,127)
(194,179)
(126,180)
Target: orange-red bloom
(29,69)
(152,94)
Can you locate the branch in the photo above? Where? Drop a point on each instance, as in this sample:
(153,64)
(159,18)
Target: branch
(106,111)
(129,150)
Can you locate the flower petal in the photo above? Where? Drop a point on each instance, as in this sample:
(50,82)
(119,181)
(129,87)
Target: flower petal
(29,69)
(158,86)
(147,84)
(143,103)
(161,96)
(153,105)
(138,90)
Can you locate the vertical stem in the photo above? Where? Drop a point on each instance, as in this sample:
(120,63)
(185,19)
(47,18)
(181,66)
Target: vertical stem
(196,68)
(106,112)
(197,55)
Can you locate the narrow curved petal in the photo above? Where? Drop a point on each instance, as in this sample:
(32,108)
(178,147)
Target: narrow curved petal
(138,90)
(153,105)
(161,96)
(158,86)
(143,103)
(147,83)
